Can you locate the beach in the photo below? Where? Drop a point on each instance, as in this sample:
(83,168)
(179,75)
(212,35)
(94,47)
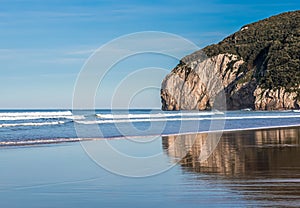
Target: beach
(176,104)
(246,168)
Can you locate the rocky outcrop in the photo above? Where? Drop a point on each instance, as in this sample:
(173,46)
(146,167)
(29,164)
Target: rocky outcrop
(275,99)
(258,67)
(196,84)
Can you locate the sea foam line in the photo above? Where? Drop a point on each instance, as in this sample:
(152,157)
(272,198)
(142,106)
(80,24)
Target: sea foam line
(32,124)
(39,115)
(158,115)
(182,119)
(40,141)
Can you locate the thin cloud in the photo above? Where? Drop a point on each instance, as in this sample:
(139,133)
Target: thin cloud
(81,52)
(59,57)
(58,14)
(64,60)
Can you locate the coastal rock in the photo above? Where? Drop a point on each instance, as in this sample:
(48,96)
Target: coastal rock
(257,67)
(193,87)
(277,99)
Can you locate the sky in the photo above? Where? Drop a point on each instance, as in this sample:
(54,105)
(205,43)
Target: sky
(45,44)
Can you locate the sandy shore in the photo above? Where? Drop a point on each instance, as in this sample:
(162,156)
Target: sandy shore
(63,175)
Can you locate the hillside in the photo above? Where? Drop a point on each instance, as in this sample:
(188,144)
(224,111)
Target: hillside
(259,67)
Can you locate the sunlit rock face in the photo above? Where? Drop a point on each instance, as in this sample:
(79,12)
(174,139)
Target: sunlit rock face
(257,67)
(194,85)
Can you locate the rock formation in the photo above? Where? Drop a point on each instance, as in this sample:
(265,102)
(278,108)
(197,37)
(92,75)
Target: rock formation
(257,67)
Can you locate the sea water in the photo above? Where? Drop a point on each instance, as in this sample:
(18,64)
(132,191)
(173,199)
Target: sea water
(255,163)
(21,127)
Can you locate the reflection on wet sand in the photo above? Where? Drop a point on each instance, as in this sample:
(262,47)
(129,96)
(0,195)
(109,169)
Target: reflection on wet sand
(263,165)
(243,152)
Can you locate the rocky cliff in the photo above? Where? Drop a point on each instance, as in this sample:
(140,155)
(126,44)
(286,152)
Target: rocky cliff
(257,67)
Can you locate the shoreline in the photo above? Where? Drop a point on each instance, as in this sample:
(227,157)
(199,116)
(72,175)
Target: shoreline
(60,141)
(66,175)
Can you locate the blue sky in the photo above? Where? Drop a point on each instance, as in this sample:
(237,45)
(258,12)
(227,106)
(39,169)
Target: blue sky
(44,44)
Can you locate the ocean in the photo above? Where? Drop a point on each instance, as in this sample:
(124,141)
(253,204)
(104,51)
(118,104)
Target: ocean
(28,127)
(149,158)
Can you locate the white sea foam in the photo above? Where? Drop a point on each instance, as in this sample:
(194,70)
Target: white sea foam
(32,124)
(158,115)
(12,116)
(40,141)
(37,113)
(149,119)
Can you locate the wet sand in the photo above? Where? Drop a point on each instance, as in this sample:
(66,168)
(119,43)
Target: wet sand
(245,168)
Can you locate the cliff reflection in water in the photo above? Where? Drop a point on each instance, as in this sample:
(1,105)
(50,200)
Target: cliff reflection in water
(275,151)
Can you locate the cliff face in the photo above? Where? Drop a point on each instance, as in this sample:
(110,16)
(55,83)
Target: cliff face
(257,67)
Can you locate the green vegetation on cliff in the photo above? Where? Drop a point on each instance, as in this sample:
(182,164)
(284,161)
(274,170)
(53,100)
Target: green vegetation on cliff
(258,67)
(270,49)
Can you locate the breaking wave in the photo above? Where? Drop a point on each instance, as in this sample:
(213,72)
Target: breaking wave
(32,124)
(12,116)
(158,115)
(40,141)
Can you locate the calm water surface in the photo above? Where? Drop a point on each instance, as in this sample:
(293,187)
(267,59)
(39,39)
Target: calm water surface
(253,168)
(246,169)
